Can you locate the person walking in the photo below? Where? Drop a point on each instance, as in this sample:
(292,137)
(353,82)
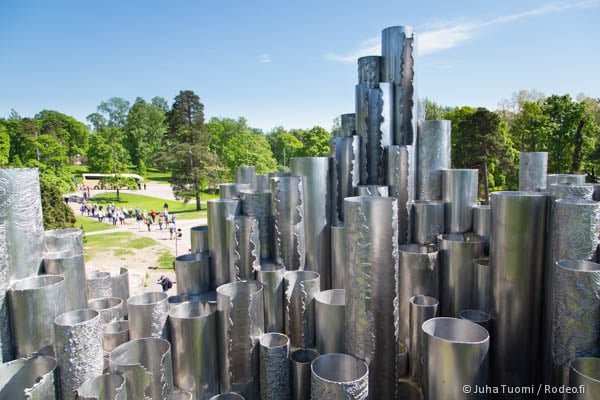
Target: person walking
(165,283)
(171,229)
(161,221)
(148,222)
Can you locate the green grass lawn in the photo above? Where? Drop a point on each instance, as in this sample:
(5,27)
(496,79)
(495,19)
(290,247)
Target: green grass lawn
(181,209)
(90,224)
(158,176)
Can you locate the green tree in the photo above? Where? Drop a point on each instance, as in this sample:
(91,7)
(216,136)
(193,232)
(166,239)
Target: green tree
(435,111)
(114,111)
(316,142)
(530,128)
(145,128)
(283,145)
(69,132)
(4,146)
(57,215)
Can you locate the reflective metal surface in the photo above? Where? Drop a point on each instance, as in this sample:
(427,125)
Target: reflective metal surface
(481,223)
(199,239)
(339,376)
(421,309)
(532,171)
(72,267)
(119,285)
(459,192)
(379,133)
(348,162)
(109,308)
(262,182)
(98,284)
(338,256)
(301,361)
(369,70)
(58,240)
(227,396)
(274,367)
(6,343)
(477,316)
(232,190)
(482,290)
(35,376)
(103,387)
(401,179)
(148,315)
(271,277)
(371,190)
(218,241)
(114,334)
(246,174)
(245,247)
(585,371)
(192,273)
(427,221)
(571,190)
(433,155)
(347,125)
(330,310)
(300,290)
(565,178)
(257,204)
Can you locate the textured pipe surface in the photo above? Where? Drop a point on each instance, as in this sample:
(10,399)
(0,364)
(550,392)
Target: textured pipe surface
(232,190)
(103,387)
(571,190)
(532,171)
(317,218)
(34,304)
(246,174)
(347,125)
(287,204)
(271,277)
(274,367)
(193,330)
(418,274)
(477,316)
(482,285)
(245,248)
(58,240)
(33,378)
(114,334)
(192,272)
(457,252)
(72,267)
(301,361)
(371,190)
(565,178)
(516,264)
(585,371)
(78,347)
(21,217)
(379,134)
(6,341)
(109,308)
(119,285)
(372,247)
(98,284)
(339,376)
(459,192)
(401,179)
(451,342)
(147,368)
(421,309)
(240,324)
(218,241)
(427,221)
(433,155)
(330,311)
(338,257)
(257,204)
(148,314)
(369,70)
(262,182)
(481,223)
(348,164)
(199,238)
(300,290)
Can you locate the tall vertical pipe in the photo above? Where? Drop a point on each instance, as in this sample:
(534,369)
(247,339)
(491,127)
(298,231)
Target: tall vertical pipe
(427,221)
(401,180)
(585,374)
(317,220)
(110,309)
(422,308)
(199,238)
(98,284)
(114,334)
(300,290)
(59,240)
(516,262)
(372,190)
(257,204)
(339,376)
(301,361)
(532,171)
(218,243)
(70,265)
(571,190)
(330,310)
(106,386)
(338,256)
(379,135)
(482,281)
(372,247)
(481,223)
(232,191)
(565,178)
(192,272)
(287,204)
(369,71)
(433,155)
(246,174)
(479,317)
(6,341)
(119,285)
(271,277)
(274,367)
(459,192)
(245,247)
(346,151)
(35,376)
(148,314)
(262,182)
(347,125)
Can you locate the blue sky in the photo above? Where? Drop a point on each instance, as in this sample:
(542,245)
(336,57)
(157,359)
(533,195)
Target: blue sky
(286,63)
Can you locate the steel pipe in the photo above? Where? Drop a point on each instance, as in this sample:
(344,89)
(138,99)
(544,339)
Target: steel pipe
(98,284)
(146,366)
(408,391)
(231,191)
(274,367)
(257,204)
(347,125)
(70,265)
(78,347)
(300,290)
(433,155)
(34,304)
(459,192)
(371,190)
(32,378)
(330,310)
(192,273)
(6,342)
(148,314)
(59,240)
(457,252)
(119,285)
(427,221)
(571,191)
(369,71)
(103,387)
(339,376)
(372,246)
(451,342)
(271,277)
(532,171)
(245,247)
(246,174)
(114,334)
(421,309)
(317,218)
(338,256)
(482,289)
(193,329)
(477,316)
(228,396)
(109,308)
(301,361)
(262,182)
(218,241)
(401,179)
(181,395)
(240,324)
(584,373)
(516,265)
(348,164)
(481,223)
(565,178)
(199,238)
(379,133)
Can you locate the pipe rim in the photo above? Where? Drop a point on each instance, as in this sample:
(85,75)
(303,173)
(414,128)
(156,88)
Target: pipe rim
(274,340)
(192,310)
(304,356)
(76,317)
(232,289)
(331,297)
(97,275)
(360,368)
(36,283)
(115,327)
(580,365)
(480,334)
(422,300)
(125,355)
(482,261)
(302,276)
(414,248)
(147,299)
(473,315)
(581,266)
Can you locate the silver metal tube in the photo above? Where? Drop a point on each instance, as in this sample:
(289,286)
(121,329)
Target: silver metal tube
(119,285)
(418,274)
(103,387)
(300,290)
(421,309)
(246,174)
(301,361)
(147,368)
(232,191)
(457,252)
(348,164)
(450,342)
(371,190)
(98,284)
(565,178)
(459,192)
(218,241)
(72,267)
(584,374)
(481,223)
(109,308)
(277,174)
(401,179)
(339,376)
(408,391)
(369,70)
(192,272)
(433,155)
(148,314)
(78,347)
(516,263)
(257,204)
(271,277)
(287,205)
(361,98)
(199,238)
(262,182)
(482,289)
(571,190)
(347,125)
(477,316)
(274,367)
(228,396)
(532,171)
(380,134)
(114,334)
(338,256)
(181,395)
(576,315)
(193,330)
(58,240)
(330,310)
(240,324)
(317,218)
(245,247)
(34,304)
(427,221)
(372,246)
(35,376)
(6,341)
(401,361)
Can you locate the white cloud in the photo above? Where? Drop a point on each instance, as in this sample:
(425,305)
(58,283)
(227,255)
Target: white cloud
(265,58)
(453,34)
